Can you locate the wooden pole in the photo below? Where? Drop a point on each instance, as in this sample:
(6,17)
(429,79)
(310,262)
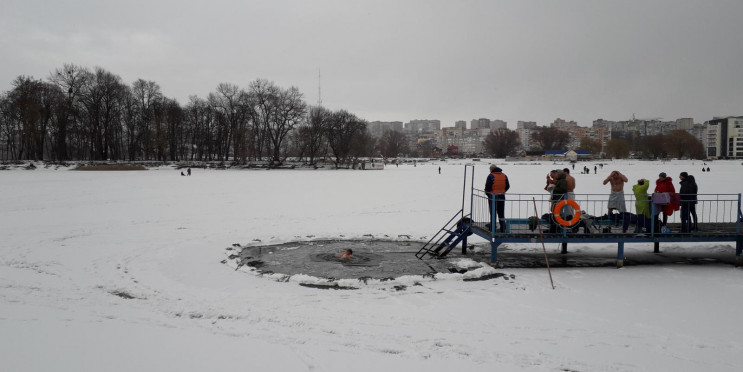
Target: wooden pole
(541,238)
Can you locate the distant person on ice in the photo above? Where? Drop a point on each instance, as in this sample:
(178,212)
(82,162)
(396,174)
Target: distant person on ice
(345,255)
(496,186)
(616,198)
(188,171)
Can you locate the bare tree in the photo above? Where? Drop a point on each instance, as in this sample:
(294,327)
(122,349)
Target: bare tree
(312,136)
(593,146)
(146,95)
(617,148)
(29,113)
(102,99)
(173,116)
(277,112)
(549,138)
(290,111)
(392,144)
(426,148)
(362,144)
(263,96)
(502,143)
(70,79)
(654,146)
(199,129)
(680,144)
(233,112)
(340,132)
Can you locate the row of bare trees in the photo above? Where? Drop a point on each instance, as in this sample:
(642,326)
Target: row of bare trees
(83,114)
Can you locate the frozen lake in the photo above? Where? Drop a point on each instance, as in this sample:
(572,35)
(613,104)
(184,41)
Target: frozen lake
(124,271)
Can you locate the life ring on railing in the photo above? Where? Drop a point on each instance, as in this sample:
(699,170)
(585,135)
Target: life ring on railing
(558,209)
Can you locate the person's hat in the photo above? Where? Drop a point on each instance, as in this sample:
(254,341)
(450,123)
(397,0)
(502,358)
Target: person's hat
(662,175)
(684,174)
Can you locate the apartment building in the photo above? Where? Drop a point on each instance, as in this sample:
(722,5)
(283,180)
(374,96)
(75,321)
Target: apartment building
(468,141)
(725,138)
(422,126)
(378,128)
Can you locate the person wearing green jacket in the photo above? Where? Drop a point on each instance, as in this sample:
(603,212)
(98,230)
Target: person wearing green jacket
(642,203)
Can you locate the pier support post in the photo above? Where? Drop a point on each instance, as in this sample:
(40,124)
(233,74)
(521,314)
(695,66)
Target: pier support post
(564,248)
(620,255)
(494,252)
(656,247)
(739,250)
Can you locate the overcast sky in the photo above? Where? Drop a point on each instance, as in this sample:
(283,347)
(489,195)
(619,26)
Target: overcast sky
(401,60)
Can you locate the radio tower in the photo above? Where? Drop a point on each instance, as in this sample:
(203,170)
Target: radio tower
(319,91)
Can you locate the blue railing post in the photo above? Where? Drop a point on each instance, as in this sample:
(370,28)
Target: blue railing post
(464,191)
(493,216)
(652,218)
(740,215)
(472,190)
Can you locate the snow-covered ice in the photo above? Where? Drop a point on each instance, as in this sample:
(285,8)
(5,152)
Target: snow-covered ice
(123,271)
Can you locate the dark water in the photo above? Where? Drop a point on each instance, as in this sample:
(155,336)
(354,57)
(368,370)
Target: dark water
(376,259)
(379,259)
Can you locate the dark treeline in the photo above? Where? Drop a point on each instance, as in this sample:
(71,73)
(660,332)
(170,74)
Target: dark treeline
(78,114)
(678,143)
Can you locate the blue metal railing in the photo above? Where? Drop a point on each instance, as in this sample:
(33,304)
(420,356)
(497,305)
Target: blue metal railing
(717,213)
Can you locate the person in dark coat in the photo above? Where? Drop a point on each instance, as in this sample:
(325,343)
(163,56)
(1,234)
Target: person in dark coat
(688,192)
(496,186)
(561,187)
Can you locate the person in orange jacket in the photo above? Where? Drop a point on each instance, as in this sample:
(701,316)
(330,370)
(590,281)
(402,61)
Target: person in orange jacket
(496,186)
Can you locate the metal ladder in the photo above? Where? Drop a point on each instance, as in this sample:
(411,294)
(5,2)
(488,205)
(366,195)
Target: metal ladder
(457,229)
(447,238)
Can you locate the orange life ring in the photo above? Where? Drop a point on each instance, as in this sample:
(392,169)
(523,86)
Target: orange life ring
(558,209)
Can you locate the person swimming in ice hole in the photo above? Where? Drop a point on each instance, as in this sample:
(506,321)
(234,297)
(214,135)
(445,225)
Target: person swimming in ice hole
(345,255)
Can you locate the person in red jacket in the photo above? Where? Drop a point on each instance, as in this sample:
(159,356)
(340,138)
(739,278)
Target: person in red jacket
(665,184)
(496,186)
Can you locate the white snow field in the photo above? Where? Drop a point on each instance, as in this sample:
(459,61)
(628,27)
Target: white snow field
(123,271)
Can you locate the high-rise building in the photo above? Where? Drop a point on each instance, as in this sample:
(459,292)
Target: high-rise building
(467,141)
(498,124)
(526,124)
(725,138)
(480,123)
(418,126)
(562,124)
(460,124)
(685,123)
(378,128)
(525,137)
